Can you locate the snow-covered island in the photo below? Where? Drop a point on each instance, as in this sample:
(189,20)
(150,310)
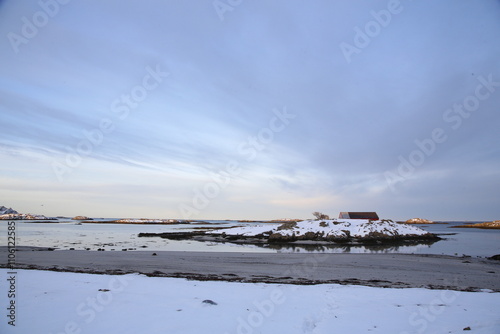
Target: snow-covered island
(310,231)
(329,230)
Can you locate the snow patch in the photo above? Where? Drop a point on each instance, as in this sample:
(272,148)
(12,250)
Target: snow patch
(338,228)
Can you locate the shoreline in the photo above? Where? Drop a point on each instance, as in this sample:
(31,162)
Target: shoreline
(376,270)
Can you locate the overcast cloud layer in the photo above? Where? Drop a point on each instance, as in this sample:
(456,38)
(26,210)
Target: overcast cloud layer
(250,109)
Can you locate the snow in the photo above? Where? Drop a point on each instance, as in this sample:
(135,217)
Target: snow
(334,227)
(50,302)
(251,230)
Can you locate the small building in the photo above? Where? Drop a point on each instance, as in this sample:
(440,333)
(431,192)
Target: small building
(358,215)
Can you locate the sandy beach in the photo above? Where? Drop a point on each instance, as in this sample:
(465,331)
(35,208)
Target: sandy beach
(378,270)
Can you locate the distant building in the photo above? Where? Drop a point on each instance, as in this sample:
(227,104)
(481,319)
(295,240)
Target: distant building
(358,215)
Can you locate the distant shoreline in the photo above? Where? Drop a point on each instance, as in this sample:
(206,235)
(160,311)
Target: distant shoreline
(494,225)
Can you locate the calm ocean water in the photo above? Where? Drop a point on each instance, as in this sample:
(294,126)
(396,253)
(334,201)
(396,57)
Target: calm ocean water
(68,234)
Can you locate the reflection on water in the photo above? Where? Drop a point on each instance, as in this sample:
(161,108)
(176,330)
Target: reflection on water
(67,234)
(406,247)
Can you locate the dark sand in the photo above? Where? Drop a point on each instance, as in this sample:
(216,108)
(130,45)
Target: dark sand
(381,270)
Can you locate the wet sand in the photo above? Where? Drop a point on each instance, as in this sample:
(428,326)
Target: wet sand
(380,270)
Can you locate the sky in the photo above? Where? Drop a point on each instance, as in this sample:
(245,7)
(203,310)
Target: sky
(236,109)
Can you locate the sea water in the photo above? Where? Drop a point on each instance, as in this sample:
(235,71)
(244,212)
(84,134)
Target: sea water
(68,234)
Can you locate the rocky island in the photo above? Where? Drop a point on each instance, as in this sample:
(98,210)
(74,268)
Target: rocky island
(418,221)
(343,231)
(494,225)
(81,218)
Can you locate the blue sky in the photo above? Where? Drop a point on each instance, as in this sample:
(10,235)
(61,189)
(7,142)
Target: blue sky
(250,109)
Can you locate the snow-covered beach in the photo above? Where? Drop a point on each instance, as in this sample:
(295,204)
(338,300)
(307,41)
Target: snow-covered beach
(52,302)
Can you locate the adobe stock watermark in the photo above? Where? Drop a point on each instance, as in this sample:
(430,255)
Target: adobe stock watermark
(88,310)
(223,6)
(120,108)
(265,309)
(454,118)
(31,26)
(248,150)
(428,313)
(364,36)
(12,273)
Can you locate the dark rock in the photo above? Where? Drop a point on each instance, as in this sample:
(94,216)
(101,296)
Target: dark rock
(209,302)
(467,329)
(287,226)
(495,257)
(310,236)
(277,237)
